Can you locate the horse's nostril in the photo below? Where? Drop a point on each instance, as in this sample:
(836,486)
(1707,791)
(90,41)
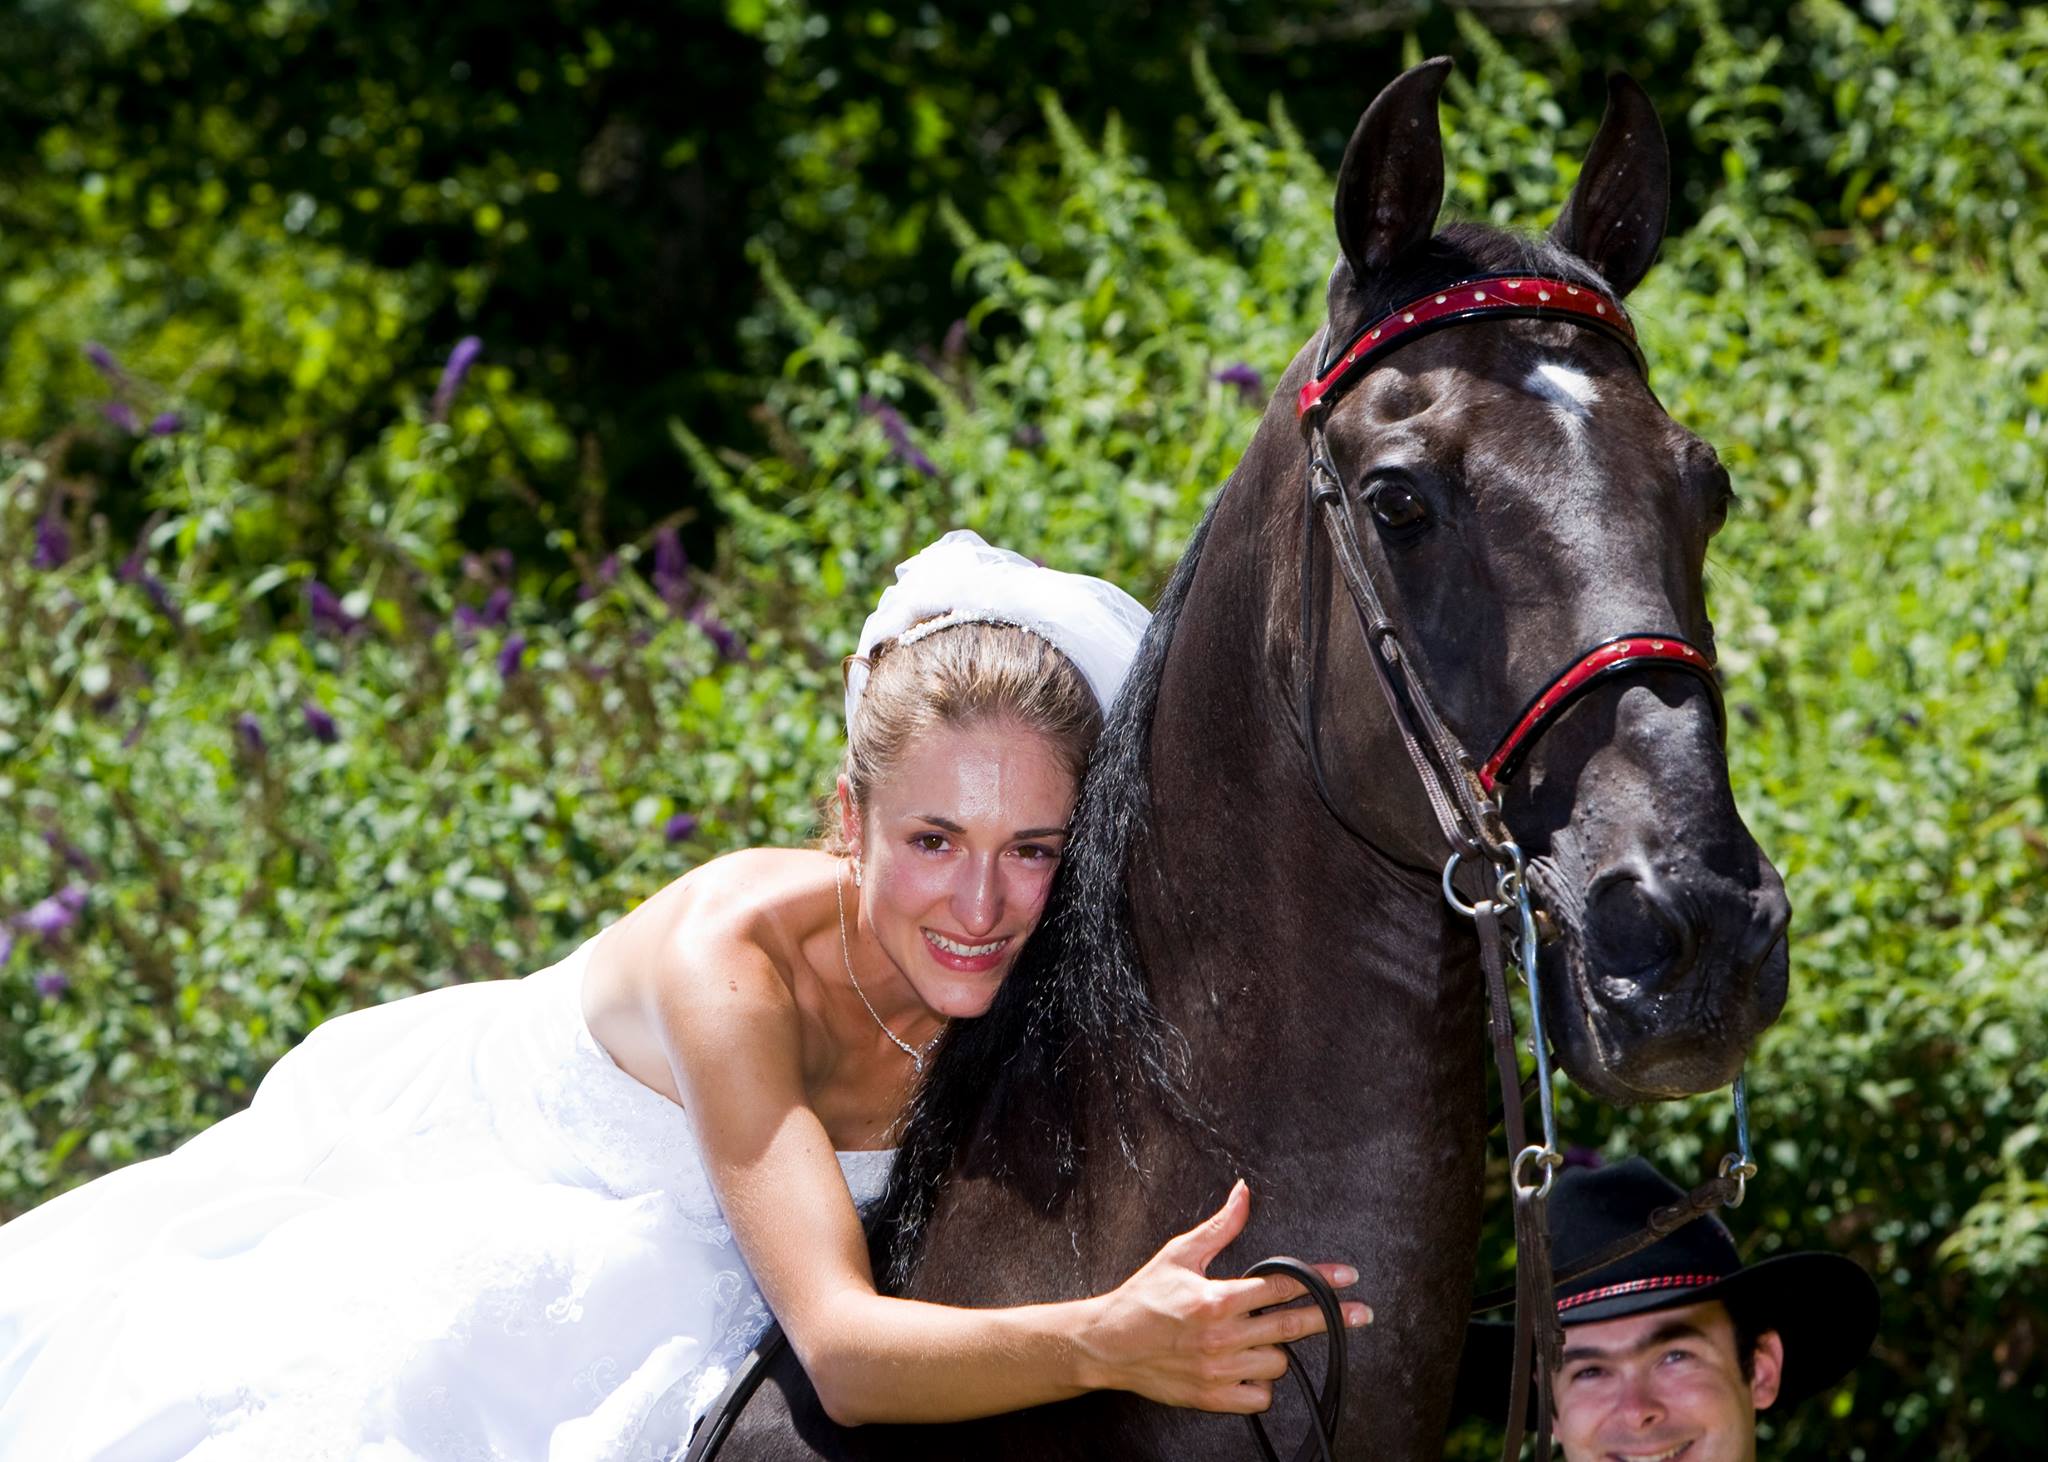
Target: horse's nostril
(1635,931)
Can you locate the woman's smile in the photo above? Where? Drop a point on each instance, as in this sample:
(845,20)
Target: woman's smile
(964,956)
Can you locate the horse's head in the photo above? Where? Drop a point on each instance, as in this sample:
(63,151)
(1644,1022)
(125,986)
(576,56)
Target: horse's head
(1522,497)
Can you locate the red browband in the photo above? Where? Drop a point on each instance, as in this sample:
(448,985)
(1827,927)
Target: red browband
(1595,665)
(1511,294)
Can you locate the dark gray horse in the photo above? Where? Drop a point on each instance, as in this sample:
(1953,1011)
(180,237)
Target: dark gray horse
(1244,974)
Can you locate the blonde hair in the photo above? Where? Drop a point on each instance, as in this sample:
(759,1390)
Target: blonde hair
(957,677)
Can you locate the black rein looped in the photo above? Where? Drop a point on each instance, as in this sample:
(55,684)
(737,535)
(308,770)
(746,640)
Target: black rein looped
(1327,1405)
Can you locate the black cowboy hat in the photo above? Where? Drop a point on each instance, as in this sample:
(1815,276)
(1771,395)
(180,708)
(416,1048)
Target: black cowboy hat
(1824,1306)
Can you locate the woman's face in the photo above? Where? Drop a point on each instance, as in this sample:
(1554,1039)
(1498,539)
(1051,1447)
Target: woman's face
(957,851)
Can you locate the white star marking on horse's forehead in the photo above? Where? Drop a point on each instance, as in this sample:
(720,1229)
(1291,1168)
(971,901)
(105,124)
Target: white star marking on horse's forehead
(1571,390)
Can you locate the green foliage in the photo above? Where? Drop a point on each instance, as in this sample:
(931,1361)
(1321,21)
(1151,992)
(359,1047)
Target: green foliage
(1852,316)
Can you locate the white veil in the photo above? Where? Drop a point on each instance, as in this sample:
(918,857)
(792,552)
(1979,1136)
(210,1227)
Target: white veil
(962,580)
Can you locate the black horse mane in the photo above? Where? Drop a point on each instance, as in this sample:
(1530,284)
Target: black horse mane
(1075,1017)
(1074,1029)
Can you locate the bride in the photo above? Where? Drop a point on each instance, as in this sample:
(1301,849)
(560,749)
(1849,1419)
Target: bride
(543,1218)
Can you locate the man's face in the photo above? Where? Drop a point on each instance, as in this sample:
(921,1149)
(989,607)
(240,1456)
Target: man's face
(1663,1386)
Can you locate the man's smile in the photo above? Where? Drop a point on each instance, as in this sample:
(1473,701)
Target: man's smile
(1669,1454)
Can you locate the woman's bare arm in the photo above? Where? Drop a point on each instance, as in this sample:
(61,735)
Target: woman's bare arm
(731,1029)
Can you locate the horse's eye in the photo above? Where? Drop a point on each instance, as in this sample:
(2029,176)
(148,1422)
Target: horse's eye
(1396,506)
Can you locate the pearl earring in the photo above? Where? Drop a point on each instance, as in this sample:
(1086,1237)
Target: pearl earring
(856,873)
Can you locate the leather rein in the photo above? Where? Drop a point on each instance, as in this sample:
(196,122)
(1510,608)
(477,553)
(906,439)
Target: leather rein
(1464,796)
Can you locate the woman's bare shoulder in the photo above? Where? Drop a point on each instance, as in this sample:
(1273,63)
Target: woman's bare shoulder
(753,897)
(718,941)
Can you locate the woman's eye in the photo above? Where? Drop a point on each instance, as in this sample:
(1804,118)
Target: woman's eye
(1034,853)
(1396,507)
(929,842)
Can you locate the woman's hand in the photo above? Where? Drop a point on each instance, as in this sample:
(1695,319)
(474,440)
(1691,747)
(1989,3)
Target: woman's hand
(1171,1334)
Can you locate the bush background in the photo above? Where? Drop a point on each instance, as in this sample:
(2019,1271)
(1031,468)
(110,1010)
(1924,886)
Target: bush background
(339,659)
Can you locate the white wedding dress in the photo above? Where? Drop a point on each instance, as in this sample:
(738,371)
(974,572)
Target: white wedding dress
(446,1228)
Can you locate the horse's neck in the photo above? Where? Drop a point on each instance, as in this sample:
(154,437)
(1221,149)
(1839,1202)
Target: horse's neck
(1269,932)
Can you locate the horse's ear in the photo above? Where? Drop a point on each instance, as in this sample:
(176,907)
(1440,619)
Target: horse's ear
(1615,218)
(1391,183)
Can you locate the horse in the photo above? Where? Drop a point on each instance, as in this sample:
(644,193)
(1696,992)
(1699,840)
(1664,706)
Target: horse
(1247,965)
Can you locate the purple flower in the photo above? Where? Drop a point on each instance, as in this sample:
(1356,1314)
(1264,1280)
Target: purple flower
(134,571)
(6,943)
(956,340)
(249,731)
(460,359)
(52,916)
(1029,437)
(103,361)
(121,414)
(320,723)
(607,573)
(510,655)
(166,424)
(719,633)
(681,826)
(52,983)
(496,610)
(671,565)
(53,542)
(324,605)
(160,595)
(70,852)
(1241,376)
(897,434)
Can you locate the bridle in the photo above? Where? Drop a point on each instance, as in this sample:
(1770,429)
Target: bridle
(1464,796)
(1462,792)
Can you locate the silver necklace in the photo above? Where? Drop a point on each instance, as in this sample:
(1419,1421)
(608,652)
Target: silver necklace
(915,1053)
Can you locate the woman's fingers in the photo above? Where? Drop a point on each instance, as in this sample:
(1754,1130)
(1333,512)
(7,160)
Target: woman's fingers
(1244,1295)
(1296,1322)
(1183,1338)
(1246,1398)
(1199,1246)
(1262,1363)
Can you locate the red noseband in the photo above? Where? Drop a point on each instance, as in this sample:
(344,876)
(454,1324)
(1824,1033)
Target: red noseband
(1625,652)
